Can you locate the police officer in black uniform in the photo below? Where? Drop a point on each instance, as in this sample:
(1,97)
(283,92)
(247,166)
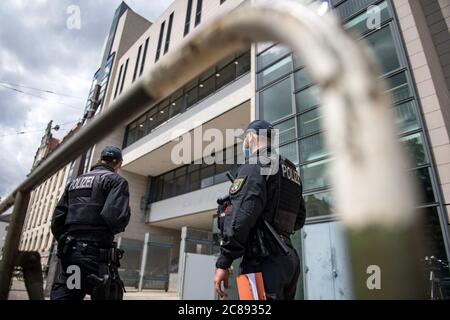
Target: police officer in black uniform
(93,208)
(264,208)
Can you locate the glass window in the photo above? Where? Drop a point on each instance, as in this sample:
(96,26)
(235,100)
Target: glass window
(131,134)
(398,87)
(276,101)
(319,204)
(207,176)
(349,8)
(382,44)
(307,98)
(225,75)
(140,127)
(192,97)
(360,24)
(425,185)
(315,175)
(243,64)
(176,106)
(275,72)
(433,239)
(312,148)
(302,79)
(414,149)
(152,119)
(309,122)
(261,46)
(406,117)
(206,87)
(290,151)
(194,180)
(163,114)
(270,56)
(286,130)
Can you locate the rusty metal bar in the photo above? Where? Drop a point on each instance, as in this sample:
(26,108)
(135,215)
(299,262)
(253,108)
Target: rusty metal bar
(370,184)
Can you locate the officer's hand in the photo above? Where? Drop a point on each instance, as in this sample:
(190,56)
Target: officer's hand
(221,276)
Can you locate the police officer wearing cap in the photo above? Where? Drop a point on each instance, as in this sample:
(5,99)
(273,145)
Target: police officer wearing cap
(265,207)
(93,209)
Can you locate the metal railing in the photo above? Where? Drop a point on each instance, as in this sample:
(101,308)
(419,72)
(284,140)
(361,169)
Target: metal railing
(373,195)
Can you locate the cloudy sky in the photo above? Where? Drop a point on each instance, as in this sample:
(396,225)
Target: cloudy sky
(38,51)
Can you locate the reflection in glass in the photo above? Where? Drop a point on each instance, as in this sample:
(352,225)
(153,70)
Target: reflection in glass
(286,130)
(425,185)
(398,87)
(414,149)
(276,101)
(360,23)
(382,44)
(307,98)
(271,55)
(309,122)
(315,175)
(275,72)
(312,148)
(406,117)
(319,204)
(290,151)
(302,79)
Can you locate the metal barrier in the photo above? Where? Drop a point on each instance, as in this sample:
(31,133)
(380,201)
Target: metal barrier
(378,214)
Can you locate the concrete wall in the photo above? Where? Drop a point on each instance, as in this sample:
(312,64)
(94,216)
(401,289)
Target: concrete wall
(430,80)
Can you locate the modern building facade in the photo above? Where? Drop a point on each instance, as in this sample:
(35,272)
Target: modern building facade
(266,81)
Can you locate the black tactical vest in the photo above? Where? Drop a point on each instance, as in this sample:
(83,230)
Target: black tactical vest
(86,199)
(284,190)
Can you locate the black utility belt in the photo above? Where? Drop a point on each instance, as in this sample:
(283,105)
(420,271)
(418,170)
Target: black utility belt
(87,249)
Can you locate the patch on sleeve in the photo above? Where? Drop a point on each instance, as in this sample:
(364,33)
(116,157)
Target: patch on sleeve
(237,185)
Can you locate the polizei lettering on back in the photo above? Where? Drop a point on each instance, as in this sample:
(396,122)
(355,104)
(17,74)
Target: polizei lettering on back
(82,183)
(290,173)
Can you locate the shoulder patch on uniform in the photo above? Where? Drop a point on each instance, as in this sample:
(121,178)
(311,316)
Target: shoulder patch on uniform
(237,185)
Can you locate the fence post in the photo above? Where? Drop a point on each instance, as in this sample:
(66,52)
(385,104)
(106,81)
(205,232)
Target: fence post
(11,246)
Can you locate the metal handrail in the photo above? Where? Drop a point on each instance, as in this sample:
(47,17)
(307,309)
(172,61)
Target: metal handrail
(360,130)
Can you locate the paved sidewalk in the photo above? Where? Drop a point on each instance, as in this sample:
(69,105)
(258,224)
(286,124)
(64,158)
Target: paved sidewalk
(18,292)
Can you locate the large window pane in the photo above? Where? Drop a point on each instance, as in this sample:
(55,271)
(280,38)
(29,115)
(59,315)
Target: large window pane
(414,149)
(309,122)
(319,204)
(425,185)
(312,148)
(131,134)
(194,180)
(315,175)
(350,7)
(225,75)
(243,64)
(152,119)
(302,78)
(275,72)
(398,87)
(286,130)
(206,87)
(406,117)
(290,151)
(307,98)
(140,132)
(271,55)
(276,101)
(359,24)
(207,176)
(434,241)
(382,45)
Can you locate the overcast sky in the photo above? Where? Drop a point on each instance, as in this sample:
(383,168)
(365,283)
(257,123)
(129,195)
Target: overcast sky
(38,50)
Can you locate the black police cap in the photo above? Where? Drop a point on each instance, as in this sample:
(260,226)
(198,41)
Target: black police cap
(260,127)
(111,152)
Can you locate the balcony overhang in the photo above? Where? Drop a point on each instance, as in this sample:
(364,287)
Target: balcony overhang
(148,159)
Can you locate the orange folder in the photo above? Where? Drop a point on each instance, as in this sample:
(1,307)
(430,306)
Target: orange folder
(251,286)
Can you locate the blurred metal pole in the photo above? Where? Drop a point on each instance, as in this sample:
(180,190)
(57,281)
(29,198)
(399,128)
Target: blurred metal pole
(11,246)
(373,194)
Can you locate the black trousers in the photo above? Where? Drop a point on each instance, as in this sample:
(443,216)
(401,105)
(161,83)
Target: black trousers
(280,274)
(62,288)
